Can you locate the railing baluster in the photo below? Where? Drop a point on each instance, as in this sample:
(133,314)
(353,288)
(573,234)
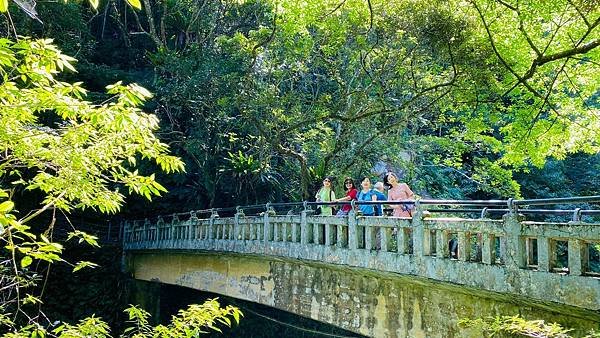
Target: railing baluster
(284,231)
(384,238)
(352,231)
(294,232)
(546,252)
(441,245)
(488,251)
(368,236)
(576,257)
(464,246)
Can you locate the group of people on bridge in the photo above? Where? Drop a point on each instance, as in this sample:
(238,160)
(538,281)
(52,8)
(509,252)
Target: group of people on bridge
(396,191)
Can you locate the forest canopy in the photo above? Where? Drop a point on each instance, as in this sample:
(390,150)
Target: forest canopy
(263,98)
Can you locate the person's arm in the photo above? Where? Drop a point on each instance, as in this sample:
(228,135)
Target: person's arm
(318,196)
(394,206)
(409,193)
(344,199)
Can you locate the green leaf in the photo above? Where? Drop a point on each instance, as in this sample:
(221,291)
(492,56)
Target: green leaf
(26,261)
(94,3)
(135,4)
(6,206)
(84,264)
(3,6)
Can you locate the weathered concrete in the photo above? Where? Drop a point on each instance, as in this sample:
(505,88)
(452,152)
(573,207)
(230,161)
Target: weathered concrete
(369,302)
(493,254)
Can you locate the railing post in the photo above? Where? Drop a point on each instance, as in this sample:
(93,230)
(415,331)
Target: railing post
(352,229)
(266,224)
(383,239)
(211,226)
(238,231)
(577,261)
(174,223)
(193,226)
(401,240)
(464,246)
(316,233)
(303,227)
(441,243)
(294,232)
(488,250)
(145,227)
(368,231)
(545,254)
(515,243)
(419,245)
(160,228)
(339,241)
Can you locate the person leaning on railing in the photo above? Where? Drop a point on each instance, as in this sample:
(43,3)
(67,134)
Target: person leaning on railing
(351,193)
(366,195)
(398,192)
(326,194)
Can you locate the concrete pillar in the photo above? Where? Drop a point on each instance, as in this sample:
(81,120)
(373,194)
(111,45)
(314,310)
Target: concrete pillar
(577,257)
(402,240)
(368,236)
(352,231)
(516,255)
(284,232)
(419,233)
(339,242)
(316,232)
(328,233)
(464,246)
(441,244)
(266,227)
(211,227)
(145,228)
(384,238)
(238,231)
(546,253)
(294,232)
(303,228)
(488,249)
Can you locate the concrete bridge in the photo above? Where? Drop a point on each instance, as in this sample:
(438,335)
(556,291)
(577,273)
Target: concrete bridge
(383,276)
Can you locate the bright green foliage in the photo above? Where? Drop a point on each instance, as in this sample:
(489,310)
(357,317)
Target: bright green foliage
(78,154)
(519,327)
(134,3)
(322,87)
(194,321)
(78,150)
(548,103)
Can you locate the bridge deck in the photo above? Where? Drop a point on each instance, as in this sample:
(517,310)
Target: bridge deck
(508,255)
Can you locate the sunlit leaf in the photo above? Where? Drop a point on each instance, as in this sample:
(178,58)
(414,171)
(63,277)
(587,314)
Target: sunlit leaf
(135,4)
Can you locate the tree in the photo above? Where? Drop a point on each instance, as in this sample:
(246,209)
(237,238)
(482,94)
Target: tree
(80,155)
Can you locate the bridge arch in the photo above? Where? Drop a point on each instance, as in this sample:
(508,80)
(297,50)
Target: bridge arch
(514,257)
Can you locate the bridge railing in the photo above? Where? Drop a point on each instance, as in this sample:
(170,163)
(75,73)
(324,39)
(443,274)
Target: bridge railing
(434,243)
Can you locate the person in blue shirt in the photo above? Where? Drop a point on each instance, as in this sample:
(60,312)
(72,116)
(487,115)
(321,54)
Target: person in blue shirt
(366,194)
(379,192)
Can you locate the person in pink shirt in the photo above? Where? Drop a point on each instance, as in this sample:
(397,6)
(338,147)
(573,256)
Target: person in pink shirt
(397,192)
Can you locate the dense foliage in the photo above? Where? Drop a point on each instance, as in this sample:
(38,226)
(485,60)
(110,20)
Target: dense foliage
(260,99)
(79,155)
